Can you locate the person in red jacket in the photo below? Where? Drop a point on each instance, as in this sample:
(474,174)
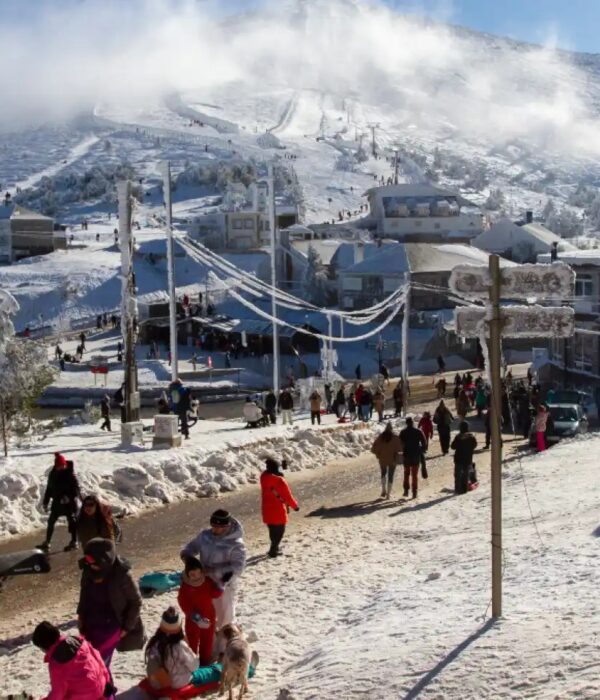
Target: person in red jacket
(277,499)
(195,598)
(426,426)
(76,669)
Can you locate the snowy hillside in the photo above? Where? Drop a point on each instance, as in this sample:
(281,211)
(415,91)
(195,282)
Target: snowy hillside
(306,82)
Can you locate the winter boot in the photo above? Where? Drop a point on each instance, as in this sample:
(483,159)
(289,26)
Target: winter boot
(388,493)
(414,494)
(45,546)
(383,489)
(71,546)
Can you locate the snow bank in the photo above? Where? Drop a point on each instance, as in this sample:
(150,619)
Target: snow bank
(220,457)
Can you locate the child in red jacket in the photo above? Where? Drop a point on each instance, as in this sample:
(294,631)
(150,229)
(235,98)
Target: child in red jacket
(195,598)
(277,499)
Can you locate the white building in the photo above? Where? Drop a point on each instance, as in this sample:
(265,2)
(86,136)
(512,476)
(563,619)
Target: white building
(521,243)
(422,214)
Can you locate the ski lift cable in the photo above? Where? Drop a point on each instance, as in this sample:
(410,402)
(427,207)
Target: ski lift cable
(284,299)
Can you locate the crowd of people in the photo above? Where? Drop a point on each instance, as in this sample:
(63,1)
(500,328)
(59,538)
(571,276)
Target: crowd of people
(191,640)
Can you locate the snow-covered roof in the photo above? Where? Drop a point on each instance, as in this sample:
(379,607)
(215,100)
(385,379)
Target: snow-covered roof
(505,234)
(411,190)
(575,257)
(248,262)
(398,258)
(326,248)
(161,295)
(23,213)
(391,259)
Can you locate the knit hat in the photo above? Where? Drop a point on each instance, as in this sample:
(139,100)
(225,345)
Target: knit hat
(170,622)
(220,517)
(59,460)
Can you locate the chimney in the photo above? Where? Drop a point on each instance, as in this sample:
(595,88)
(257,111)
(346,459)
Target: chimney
(359,252)
(529,217)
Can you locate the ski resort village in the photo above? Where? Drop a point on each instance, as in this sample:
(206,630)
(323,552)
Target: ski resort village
(299,354)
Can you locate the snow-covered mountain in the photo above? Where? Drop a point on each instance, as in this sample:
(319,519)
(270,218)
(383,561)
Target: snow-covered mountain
(309,82)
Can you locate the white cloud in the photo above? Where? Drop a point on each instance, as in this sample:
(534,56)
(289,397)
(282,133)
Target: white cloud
(71,55)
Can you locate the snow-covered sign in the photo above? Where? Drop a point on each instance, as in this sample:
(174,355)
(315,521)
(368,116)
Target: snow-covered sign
(518,321)
(519,282)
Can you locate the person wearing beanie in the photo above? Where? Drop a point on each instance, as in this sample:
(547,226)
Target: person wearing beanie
(464,445)
(169,660)
(222,552)
(62,492)
(277,499)
(76,669)
(109,601)
(195,598)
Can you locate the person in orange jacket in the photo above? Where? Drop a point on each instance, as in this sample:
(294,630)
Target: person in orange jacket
(277,499)
(195,599)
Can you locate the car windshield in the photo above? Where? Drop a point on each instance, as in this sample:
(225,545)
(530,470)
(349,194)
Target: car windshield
(564,414)
(567,397)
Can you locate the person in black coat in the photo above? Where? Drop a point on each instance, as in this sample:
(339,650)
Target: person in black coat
(415,446)
(105,412)
(110,602)
(271,406)
(443,420)
(62,492)
(464,445)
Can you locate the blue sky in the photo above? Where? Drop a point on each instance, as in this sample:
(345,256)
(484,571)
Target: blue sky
(573,24)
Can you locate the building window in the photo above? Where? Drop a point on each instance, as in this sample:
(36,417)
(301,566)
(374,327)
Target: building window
(238,224)
(584,287)
(248,224)
(436,226)
(418,223)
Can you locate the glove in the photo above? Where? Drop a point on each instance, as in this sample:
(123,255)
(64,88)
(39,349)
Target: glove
(297,508)
(227,576)
(202,622)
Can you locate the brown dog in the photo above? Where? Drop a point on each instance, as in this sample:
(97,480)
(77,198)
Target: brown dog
(236,660)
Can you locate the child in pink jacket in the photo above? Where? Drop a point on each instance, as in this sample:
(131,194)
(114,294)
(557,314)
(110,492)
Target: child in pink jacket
(77,671)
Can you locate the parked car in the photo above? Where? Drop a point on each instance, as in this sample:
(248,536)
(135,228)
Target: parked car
(570,396)
(567,420)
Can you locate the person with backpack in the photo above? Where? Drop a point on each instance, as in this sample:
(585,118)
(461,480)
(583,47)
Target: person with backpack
(95,520)
(387,448)
(76,669)
(414,445)
(276,501)
(110,602)
(195,598)
(442,418)
(464,445)
(105,413)
(61,494)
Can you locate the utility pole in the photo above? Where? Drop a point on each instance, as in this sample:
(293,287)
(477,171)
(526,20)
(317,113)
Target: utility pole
(396,164)
(166,173)
(405,333)
(273,224)
(330,352)
(128,303)
(496,453)
(373,142)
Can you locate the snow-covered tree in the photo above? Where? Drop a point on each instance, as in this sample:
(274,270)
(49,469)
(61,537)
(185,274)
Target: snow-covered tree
(496,200)
(24,370)
(565,223)
(549,209)
(315,278)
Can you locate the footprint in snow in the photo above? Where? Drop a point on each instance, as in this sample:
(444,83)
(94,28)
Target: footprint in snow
(433,576)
